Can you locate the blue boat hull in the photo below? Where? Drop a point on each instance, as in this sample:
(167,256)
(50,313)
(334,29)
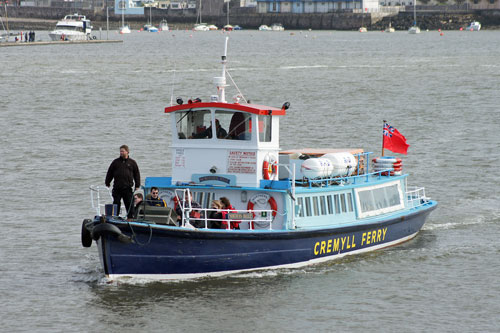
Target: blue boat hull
(170,252)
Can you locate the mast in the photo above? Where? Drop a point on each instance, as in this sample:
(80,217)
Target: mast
(383,128)
(227,11)
(220,81)
(199,13)
(415,13)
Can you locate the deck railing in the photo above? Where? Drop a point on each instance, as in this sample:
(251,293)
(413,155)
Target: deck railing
(262,219)
(98,197)
(415,197)
(362,173)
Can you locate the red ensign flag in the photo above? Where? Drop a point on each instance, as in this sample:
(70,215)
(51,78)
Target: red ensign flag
(394,141)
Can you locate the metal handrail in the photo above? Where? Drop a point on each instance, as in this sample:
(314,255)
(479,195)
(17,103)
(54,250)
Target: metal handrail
(96,200)
(415,197)
(204,217)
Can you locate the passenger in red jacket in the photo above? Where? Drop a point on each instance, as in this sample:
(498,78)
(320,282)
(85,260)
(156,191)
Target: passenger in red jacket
(226,205)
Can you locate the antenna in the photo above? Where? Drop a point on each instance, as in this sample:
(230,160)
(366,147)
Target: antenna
(220,81)
(173,82)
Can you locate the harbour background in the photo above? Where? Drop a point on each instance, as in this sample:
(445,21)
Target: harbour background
(450,17)
(65,110)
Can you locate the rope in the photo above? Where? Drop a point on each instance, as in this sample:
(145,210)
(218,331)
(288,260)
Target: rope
(134,236)
(239,91)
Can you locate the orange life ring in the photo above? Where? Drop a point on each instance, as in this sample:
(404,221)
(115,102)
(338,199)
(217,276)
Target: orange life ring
(269,167)
(271,202)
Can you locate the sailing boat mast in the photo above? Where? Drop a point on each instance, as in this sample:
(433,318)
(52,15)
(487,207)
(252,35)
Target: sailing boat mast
(414,13)
(227,11)
(199,13)
(7,18)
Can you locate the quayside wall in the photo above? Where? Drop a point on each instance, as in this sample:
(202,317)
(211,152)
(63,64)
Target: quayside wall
(43,18)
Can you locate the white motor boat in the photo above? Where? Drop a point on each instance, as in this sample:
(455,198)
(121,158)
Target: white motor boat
(474,26)
(163,25)
(201,27)
(277,27)
(414,30)
(264,28)
(363,29)
(125,29)
(72,27)
(389,28)
(212,27)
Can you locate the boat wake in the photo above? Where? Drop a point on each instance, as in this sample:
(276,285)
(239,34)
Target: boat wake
(476,220)
(303,67)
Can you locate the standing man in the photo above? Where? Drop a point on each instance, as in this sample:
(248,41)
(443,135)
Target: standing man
(125,172)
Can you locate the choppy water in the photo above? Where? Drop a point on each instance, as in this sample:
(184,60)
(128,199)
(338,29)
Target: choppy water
(65,110)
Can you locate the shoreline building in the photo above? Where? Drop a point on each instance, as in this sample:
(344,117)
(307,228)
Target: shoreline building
(315,6)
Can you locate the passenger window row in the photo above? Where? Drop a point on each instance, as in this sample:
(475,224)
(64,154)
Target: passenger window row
(331,204)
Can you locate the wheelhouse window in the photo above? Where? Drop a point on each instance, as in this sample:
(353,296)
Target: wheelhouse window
(380,199)
(235,125)
(194,124)
(265,128)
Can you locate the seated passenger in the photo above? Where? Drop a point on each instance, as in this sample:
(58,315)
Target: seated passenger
(226,205)
(221,133)
(138,204)
(154,200)
(196,218)
(215,215)
(237,127)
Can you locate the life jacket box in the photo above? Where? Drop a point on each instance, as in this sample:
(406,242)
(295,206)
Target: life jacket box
(159,215)
(289,159)
(111,209)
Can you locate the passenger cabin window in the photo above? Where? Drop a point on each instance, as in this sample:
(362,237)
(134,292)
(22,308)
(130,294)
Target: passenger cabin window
(194,124)
(380,199)
(332,204)
(235,125)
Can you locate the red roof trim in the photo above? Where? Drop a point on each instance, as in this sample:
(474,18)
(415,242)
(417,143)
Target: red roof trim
(250,108)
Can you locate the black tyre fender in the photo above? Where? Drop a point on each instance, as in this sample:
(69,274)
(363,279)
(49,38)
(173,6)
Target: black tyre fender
(86,236)
(110,229)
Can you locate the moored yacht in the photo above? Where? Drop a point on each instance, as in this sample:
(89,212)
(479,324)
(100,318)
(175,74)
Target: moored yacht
(72,27)
(277,27)
(163,25)
(474,26)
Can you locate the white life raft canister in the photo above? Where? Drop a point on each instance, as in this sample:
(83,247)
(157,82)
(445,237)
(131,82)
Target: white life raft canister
(313,168)
(344,163)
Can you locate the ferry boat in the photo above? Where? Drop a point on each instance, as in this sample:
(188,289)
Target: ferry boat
(201,27)
(288,208)
(72,27)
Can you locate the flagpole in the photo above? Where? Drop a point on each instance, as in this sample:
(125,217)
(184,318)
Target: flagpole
(383,138)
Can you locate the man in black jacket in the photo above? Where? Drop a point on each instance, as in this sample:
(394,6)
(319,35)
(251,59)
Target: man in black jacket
(125,172)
